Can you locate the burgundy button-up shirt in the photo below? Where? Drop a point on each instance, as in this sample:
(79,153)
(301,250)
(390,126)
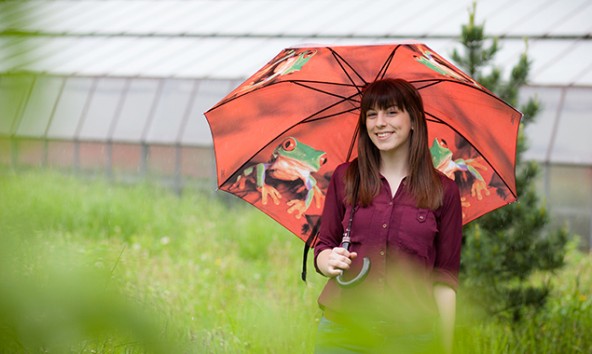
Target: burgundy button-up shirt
(392,228)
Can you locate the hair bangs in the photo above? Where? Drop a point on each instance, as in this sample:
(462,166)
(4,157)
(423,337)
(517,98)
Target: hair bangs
(382,95)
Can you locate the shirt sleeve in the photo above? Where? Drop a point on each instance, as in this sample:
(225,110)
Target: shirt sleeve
(331,230)
(448,242)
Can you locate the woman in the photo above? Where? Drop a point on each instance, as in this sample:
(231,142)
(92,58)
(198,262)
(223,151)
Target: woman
(407,220)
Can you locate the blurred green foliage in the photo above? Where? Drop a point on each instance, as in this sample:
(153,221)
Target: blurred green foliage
(56,294)
(194,274)
(88,266)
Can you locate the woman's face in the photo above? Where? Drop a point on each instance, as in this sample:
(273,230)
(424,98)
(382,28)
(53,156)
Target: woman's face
(389,129)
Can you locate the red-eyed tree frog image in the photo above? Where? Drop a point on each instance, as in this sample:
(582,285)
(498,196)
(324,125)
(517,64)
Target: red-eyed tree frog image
(434,62)
(290,161)
(442,158)
(293,61)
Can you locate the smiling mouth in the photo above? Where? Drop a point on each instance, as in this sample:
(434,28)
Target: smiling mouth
(384,135)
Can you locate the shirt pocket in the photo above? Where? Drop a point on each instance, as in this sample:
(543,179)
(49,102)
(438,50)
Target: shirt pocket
(416,232)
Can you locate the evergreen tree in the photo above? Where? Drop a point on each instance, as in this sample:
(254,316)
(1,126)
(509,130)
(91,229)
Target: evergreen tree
(503,248)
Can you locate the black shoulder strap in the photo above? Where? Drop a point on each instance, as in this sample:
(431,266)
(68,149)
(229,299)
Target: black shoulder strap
(310,242)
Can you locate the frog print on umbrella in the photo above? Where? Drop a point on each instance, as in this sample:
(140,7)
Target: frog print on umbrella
(292,161)
(434,62)
(291,62)
(442,158)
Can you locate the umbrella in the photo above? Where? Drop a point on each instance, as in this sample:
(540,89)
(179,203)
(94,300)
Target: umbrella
(280,134)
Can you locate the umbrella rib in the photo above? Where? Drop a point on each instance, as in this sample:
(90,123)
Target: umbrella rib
(302,84)
(352,142)
(430,82)
(323,82)
(381,73)
(433,82)
(386,64)
(310,120)
(223,102)
(339,59)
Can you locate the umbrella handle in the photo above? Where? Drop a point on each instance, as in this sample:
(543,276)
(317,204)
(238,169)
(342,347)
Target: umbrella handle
(358,278)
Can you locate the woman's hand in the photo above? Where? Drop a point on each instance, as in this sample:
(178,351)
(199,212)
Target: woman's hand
(332,262)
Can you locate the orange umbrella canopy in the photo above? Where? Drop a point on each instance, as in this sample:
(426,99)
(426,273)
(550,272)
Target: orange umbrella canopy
(281,133)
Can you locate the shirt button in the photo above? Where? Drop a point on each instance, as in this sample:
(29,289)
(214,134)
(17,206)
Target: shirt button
(384,226)
(382,253)
(390,203)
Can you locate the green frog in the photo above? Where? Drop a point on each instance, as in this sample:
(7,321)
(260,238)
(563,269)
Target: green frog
(290,161)
(442,160)
(434,62)
(291,62)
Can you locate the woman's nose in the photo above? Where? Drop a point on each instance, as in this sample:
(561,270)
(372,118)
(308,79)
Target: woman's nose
(380,119)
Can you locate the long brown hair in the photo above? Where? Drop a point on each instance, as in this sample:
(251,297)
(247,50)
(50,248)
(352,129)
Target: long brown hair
(362,180)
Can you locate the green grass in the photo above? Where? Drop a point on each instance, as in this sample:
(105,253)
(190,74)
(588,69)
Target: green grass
(87,266)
